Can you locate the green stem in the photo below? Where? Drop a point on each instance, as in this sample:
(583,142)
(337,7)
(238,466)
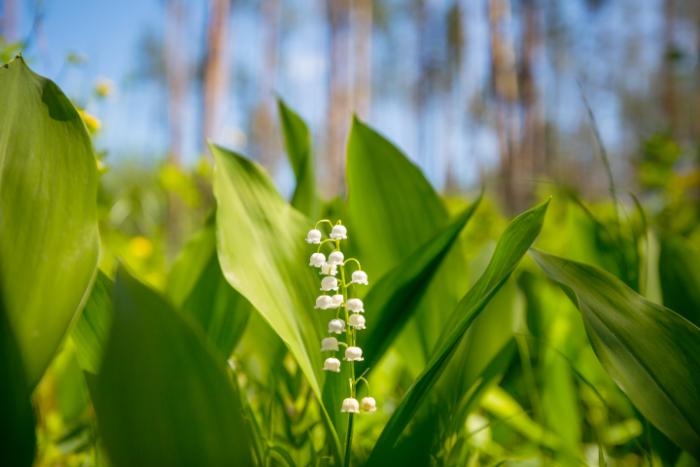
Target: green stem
(350,340)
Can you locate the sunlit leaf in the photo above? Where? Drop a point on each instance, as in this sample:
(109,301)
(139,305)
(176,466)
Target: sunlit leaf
(511,247)
(297,142)
(650,351)
(162,396)
(48,226)
(263,256)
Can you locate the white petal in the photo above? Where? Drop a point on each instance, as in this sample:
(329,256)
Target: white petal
(368,404)
(359,277)
(317,260)
(350,405)
(329,283)
(314,236)
(336,258)
(355,305)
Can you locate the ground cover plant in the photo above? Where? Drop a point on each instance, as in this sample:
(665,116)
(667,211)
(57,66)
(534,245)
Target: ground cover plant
(393,326)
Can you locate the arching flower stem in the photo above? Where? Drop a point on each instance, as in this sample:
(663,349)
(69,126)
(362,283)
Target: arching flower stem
(350,341)
(323,221)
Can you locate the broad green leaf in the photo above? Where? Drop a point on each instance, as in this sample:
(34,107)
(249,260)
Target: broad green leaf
(297,141)
(197,287)
(48,201)
(17,437)
(679,273)
(394,298)
(393,208)
(511,247)
(264,257)
(650,351)
(163,396)
(393,211)
(92,328)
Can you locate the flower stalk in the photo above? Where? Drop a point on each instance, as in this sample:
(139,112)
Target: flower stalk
(349,315)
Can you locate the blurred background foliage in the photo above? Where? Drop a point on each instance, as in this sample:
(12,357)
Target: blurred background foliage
(591,102)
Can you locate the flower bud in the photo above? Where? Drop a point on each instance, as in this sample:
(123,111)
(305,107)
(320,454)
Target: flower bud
(350,405)
(357,321)
(339,232)
(356,306)
(314,236)
(368,404)
(336,258)
(353,354)
(323,302)
(329,283)
(329,344)
(331,364)
(319,259)
(336,326)
(359,277)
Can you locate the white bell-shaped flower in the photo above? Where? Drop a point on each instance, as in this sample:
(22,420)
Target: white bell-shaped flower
(336,300)
(353,354)
(357,321)
(356,306)
(314,236)
(329,344)
(331,364)
(339,232)
(323,302)
(329,283)
(368,404)
(359,277)
(350,405)
(319,259)
(328,269)
(336,258)
(336,326)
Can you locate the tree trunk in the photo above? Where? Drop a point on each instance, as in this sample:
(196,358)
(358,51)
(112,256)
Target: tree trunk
(176,77)
(362,36)
(215,68)
(505,87)
(10,20)
(339,95)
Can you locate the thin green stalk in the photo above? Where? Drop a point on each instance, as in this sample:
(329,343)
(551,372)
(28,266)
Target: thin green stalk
(350,341)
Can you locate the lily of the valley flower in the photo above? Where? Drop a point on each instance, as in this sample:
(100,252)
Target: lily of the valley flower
(329,344)
(314,236)
(323,302)
(329,269)
(319,259)
(336,326)
(357,321)
(339,232)
(336,258)
(337,300)
(353,354)
(350,405)
(331,364)
(368,404)
(359,277)
(329,283)
(355,305)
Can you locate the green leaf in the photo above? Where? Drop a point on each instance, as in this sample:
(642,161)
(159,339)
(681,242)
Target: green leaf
(651,352)
(163,396)
(48,201)
(393,208)
(263,256)
(197,287)
(297,141)
(511,247)
(394,298)
(91,331)
(679,273)
(17,436)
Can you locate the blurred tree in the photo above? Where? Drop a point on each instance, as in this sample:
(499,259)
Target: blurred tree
(10,20)
(339,103)
(215,68)
(176,77)
(362,39)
